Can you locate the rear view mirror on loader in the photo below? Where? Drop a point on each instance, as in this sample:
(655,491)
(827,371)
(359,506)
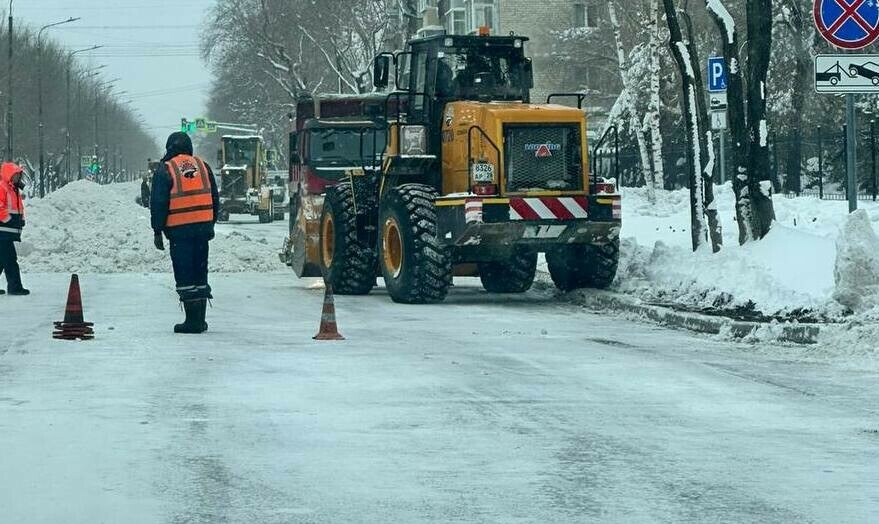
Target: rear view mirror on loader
(529,73)
(382,71)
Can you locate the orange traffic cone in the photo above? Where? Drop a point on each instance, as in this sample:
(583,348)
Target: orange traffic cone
(328,328)
(74,327)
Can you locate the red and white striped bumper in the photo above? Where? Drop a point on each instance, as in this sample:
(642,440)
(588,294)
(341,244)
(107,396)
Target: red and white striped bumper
(549,208)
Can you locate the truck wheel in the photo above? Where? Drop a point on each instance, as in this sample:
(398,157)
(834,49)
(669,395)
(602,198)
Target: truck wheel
(265,217)
(223,216)
(515,275)
(416,267)
(579,266)
(347,264)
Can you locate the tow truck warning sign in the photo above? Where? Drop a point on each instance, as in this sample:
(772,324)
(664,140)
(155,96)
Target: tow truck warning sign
(847,74)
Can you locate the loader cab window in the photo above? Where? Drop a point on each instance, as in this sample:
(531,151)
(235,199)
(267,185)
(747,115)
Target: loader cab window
(240,153)
(483,74)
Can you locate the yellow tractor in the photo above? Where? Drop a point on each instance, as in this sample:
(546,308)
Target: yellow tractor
(475,181)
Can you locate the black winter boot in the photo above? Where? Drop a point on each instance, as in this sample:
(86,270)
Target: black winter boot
(201,313)
(190,326)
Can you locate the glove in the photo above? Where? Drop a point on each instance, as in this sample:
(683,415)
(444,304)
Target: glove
(159,242)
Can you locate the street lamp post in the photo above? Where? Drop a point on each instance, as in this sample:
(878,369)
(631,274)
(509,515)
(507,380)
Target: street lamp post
(67,133)
(91,73)
(98,86)
(40,98)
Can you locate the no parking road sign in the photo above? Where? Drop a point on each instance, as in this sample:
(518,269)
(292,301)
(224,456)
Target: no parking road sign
(848,24)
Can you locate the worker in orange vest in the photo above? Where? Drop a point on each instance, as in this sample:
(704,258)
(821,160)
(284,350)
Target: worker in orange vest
(184,206)
(11,224)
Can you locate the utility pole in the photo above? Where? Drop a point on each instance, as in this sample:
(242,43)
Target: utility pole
(9,142)
(40,99)
(851,148)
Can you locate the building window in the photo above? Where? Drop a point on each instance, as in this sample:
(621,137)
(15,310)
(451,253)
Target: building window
(483,14)
(456,17)
(585,15)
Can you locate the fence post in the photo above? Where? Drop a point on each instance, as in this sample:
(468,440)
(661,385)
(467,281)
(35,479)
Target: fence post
(844,154)
(820,165)
(616,153)
(873,156)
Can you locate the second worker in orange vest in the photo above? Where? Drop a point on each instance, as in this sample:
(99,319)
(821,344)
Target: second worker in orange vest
(184,205)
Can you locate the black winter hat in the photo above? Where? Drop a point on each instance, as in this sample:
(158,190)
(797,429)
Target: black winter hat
(178,144)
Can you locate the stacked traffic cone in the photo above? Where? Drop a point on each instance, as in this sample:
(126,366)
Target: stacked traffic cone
(328,328)
(74,327)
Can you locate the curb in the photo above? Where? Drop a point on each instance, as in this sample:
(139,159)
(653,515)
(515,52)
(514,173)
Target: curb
(695,322)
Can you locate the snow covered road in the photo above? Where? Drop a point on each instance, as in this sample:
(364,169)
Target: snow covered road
(478,410)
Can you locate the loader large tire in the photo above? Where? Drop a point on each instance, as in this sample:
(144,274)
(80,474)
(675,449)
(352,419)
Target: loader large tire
(578,266)
(348,264)
(416,266)
(515,275)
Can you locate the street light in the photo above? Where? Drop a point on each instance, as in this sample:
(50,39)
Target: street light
(40,96)
(86,75)
(98,87)
(70,56)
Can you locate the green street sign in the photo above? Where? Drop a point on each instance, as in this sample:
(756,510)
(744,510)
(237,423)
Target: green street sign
(85,161)
(212,127)
(186,126)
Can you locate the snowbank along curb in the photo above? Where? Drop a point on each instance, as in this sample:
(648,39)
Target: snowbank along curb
(794,333)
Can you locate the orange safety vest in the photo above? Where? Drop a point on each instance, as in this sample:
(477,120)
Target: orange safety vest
(191,200)
(11,203)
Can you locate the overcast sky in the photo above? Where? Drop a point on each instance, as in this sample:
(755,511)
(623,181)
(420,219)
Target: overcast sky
(151,45)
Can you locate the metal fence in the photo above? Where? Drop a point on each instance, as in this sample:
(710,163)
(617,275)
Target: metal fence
(822,162)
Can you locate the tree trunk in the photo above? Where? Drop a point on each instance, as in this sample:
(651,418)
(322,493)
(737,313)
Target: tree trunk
(794,161)
(737,122)
(628,93)
(759,49)
(690,108)
(706,145)
(652,119)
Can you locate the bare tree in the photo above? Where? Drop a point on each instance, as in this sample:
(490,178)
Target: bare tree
(749,130)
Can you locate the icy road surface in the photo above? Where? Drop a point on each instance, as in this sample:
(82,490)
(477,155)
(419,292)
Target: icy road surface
(478,410)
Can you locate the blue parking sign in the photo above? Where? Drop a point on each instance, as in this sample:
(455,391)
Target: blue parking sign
(716,74)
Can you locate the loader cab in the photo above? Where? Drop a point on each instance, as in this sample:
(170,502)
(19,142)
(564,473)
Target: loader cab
(440,69)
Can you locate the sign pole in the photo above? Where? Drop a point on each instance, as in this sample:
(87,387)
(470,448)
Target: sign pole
(722,138)
(851,152)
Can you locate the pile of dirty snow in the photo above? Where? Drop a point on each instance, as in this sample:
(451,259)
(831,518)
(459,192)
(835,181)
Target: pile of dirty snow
(792,273)
(88,228)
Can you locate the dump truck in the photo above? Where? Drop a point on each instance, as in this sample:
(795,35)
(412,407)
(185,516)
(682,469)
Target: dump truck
(242,179)
(331,136)
(476,180)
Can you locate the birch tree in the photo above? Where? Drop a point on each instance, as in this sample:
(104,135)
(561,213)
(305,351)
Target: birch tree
(687,69)
(627,96)
(652,119)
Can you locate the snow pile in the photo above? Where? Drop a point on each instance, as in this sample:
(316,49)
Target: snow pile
(88,228)
(857,264)
(790,273)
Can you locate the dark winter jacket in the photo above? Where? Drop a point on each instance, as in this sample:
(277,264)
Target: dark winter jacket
(11,204)
(160,199)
